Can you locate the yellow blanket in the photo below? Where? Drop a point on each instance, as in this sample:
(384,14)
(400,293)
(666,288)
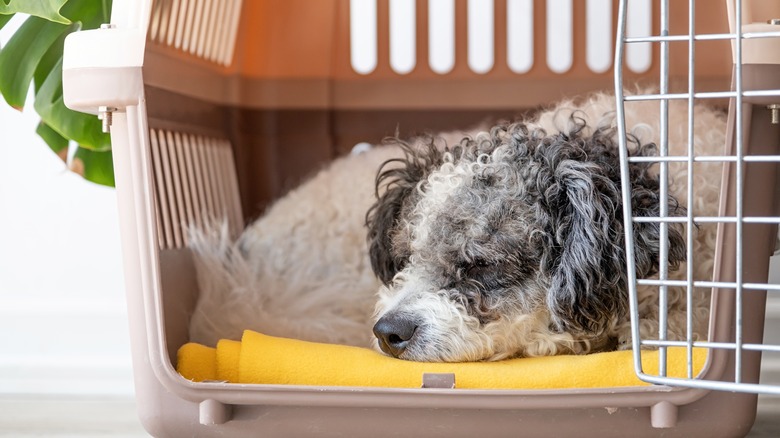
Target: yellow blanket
(265,359)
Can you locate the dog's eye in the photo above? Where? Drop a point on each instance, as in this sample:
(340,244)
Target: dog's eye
(477,267)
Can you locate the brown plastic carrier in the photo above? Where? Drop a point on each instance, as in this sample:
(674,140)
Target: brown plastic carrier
(220,106)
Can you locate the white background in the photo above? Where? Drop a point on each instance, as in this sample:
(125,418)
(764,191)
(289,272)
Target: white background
(62,311)
(65,365)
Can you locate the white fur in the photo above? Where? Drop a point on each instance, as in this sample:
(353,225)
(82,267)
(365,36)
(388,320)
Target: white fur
(302,269)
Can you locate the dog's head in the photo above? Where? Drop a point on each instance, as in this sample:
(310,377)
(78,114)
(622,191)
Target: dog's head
(509,244)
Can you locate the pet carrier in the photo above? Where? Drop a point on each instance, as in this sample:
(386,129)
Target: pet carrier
(216,107)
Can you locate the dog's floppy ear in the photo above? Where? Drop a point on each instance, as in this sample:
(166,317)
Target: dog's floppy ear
(396,191)
(586,259)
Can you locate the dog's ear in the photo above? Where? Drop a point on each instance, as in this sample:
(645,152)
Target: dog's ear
(396,191)
(586,256)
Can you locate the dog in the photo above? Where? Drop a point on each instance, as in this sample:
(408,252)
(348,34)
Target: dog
(484,245)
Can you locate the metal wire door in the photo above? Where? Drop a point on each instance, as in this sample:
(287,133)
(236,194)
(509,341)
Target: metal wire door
(748,191)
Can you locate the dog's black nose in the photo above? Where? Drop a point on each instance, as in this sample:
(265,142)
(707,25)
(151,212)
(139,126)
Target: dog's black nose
(394,333)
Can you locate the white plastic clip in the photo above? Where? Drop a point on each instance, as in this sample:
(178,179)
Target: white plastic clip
(438,380)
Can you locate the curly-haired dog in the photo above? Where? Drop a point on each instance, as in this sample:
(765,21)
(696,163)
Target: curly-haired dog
(508,244)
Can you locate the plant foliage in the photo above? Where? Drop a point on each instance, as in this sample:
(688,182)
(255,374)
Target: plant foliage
(33,55)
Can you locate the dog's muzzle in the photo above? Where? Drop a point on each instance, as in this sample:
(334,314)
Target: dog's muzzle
(394,333)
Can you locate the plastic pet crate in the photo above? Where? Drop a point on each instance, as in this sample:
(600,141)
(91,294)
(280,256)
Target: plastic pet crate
(217,107)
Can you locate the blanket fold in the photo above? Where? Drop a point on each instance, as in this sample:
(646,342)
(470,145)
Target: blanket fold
(266,359)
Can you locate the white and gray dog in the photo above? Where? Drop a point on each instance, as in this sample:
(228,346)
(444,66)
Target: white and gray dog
(507,243)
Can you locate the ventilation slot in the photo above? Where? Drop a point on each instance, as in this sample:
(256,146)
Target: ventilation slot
(560,25)
(204,28)
(194,183)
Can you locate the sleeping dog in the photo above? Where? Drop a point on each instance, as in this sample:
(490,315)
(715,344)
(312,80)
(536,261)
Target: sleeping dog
(501,242)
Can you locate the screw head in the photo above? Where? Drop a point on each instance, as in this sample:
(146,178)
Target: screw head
(775,111)
(108,26)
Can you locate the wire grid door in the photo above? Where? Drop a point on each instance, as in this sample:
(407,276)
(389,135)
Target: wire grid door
(746,100)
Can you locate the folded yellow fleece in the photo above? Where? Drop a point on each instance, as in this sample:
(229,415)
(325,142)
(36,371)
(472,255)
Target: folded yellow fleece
(266,359)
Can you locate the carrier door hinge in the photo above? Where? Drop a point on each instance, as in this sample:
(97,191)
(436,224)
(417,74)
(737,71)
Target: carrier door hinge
(101,71)
(775,108)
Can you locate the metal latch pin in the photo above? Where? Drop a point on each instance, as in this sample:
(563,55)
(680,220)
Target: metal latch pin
(775,108)
(105,113)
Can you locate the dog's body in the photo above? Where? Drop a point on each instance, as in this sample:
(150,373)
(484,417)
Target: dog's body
(509,244)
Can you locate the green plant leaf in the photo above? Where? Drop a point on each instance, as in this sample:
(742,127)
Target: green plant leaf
(85,129)
(94,166)
(34,53)
(52,56)
(57,143)
(20,57)
(46,9)
(4,19)
(107,10)
(89,13)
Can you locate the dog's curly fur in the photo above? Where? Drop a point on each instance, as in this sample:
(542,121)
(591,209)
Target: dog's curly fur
(510,243)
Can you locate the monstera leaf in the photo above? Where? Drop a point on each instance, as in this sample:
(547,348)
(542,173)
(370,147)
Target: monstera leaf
(48,9)
(33,55)
(4,19)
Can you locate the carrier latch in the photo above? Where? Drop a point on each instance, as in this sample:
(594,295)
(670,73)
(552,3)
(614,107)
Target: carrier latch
(438,380)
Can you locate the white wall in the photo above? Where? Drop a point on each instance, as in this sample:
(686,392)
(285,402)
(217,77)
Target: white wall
(63,324)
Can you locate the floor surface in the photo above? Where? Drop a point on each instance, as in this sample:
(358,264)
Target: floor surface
(26,417)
